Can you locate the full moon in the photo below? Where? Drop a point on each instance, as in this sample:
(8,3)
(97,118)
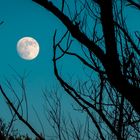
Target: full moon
(27,48)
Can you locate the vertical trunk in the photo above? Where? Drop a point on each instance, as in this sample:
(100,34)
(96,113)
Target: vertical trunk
(121,84)
(112,63)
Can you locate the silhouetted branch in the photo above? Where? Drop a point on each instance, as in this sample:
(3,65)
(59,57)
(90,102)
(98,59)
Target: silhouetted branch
(112,56)
(19,116)
(133,3)
(75,32)
(81,101)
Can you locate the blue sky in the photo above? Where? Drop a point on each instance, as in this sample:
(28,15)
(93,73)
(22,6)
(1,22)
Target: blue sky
(25,18)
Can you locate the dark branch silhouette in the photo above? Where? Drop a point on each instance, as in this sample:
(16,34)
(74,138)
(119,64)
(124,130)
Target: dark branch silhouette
(111,53)
(110,60)
(18,115)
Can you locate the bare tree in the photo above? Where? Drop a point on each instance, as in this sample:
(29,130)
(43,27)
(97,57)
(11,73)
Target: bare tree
(116,51)
(108,51)
(16,107)
(109,96)
(116,120)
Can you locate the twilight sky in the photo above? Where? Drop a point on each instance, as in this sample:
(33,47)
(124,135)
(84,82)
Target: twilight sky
(25,18)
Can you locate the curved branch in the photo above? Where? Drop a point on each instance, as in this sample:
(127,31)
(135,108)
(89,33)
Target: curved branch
(81,101)
(74,30)
(19,116)
(134,4)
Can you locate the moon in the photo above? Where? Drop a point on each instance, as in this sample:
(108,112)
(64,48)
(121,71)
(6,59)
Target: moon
(27,48)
